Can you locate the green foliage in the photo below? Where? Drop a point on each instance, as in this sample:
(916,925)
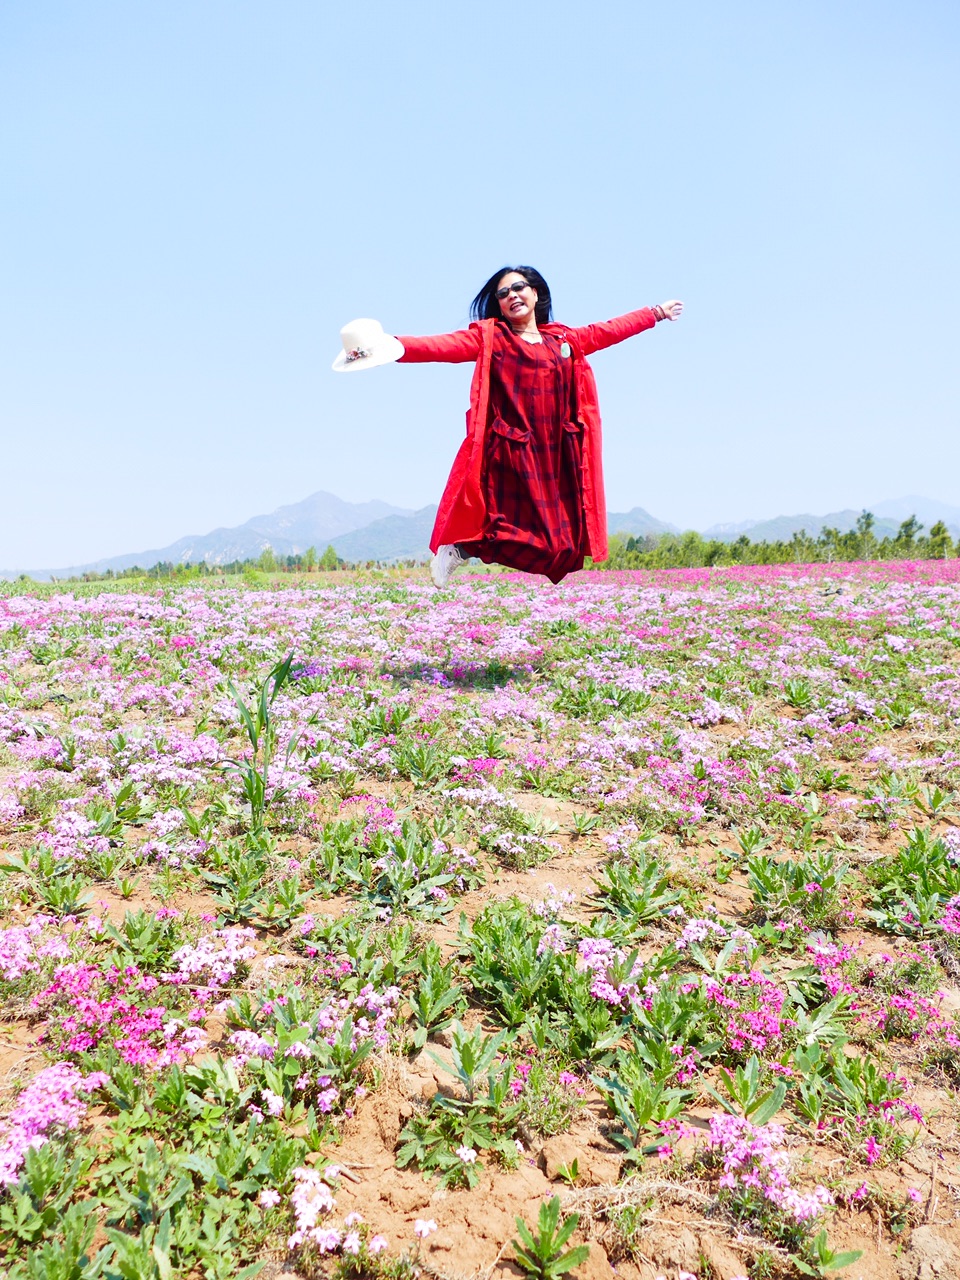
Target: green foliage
(821,1260)
(473,1056)
(280,903)
(66,894)
(506,973)
(676,1013)
(641,1104)
(421,762)
(65,1255)
(797,693)
(543,1254)
(570,1173)
(436,998)
(143,940)
(746,1095)
(124,808)
(178,1169)
(636,891)
(912,887)
(691,550)
(807,890)
(583,824)
(259,724)
(239,871)
(482,1121)
(588,699)
(34,1206)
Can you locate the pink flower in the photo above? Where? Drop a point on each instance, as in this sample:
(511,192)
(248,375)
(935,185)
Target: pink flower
(424,1227)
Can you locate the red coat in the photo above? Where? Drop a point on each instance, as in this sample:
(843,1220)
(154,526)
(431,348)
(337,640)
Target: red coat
(462,513)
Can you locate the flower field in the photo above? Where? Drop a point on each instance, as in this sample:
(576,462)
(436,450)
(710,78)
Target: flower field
(350,928)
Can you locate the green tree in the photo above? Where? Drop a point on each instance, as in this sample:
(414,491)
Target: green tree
(868,540)
(802,549)
(830,542)
(329,559)
(939,544)
(310,559)
(905,544)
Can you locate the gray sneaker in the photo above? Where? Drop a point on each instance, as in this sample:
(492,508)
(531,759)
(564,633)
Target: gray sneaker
(444,562)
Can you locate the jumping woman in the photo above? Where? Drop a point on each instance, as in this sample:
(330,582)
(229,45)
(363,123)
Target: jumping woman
(526,488)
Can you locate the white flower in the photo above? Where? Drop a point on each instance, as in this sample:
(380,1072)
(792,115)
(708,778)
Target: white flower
(424,1227)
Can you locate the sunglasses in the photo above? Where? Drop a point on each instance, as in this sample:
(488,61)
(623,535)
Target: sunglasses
(518,286)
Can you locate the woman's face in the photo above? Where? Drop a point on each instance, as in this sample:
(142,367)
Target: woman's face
(518,306)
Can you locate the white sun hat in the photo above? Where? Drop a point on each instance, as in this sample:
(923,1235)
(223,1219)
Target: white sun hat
(365,345)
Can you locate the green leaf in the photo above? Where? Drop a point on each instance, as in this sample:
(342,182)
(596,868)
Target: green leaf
(572,1258)
(203,1165)
(727,1106)
(161,1248)
(845,1259)
(769,1105)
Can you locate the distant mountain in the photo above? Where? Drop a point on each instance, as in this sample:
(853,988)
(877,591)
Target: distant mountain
(782,528)
(378,531)
(637,522)
(315,522)
(887,522)
(929,510)
(393,538)
(723,532)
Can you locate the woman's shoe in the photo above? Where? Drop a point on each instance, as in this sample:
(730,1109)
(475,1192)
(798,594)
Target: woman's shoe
(447,559)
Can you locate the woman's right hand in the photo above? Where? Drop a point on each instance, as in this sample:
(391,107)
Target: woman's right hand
(672,310)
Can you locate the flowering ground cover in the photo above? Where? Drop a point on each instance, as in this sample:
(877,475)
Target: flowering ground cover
(355,929)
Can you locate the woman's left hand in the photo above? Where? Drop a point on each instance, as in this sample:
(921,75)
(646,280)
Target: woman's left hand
(673,309)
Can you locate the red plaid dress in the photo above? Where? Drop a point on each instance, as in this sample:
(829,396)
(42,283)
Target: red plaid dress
(526,486)
(532,466)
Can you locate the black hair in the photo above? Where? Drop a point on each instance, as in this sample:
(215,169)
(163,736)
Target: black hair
(486,305)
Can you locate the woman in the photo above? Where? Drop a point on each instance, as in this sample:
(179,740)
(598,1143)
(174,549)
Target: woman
(526,489)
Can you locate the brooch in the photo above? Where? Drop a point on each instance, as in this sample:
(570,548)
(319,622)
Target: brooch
(565,349)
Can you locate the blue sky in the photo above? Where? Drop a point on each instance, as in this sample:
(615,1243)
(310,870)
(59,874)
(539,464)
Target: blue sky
(196,196)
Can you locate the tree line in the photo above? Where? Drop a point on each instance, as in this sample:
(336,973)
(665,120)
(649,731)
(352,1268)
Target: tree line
(650,551)
(692,550)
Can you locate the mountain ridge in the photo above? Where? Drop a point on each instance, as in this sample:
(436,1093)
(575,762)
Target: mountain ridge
(377,530)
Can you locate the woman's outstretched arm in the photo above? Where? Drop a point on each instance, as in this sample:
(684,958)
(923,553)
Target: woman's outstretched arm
(594,337)
(445,348)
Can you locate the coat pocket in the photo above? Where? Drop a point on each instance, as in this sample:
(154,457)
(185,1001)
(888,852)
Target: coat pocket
(506,431)
(573,428)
